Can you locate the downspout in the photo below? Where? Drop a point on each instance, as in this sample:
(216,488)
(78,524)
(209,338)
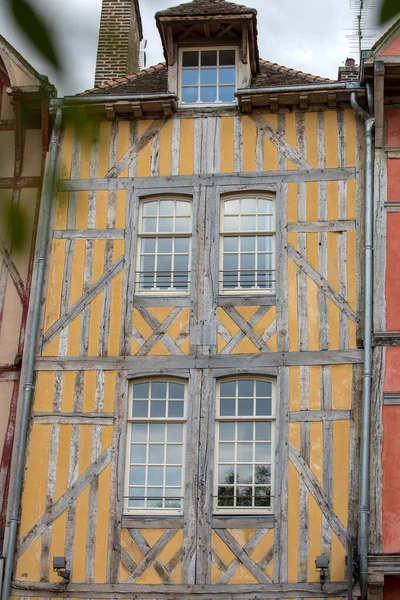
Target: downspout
(47,194)
(368,324)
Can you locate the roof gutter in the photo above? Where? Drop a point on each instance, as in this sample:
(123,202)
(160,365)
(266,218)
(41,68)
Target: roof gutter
(313,87)
(101,98)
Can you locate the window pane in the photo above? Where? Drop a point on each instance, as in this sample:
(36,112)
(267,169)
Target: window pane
(174,455)
(249,206)
(182,224)
(159,389)
(264,389)
(246,388)
(263,453)
(227,408)
(190,59)
(228,389)
(141,390)
(147,264)
(231,207)
(167,208)
(138,453)
(175,410)
(183,209)
(149,225)
(182,245)
(208,76)
(156,454)
(248,262)
(264,206)
(231,223)
(190,94)
(248,244)
(176,391)
(148,245)
(173,476)
(245,453)
(263,497)
(226,474)
(158,409)
(231,244)
(157,432)
(139,432)
(263,474)
(227,94)
(208,94)
(244,496)
(245,408)
(227,76)
(166,225)
(190,77)
(165,245)
(231,262)
(140,409)
(155,475)
(263,431)
(227,57)
(245,474)
(181,263)
(137,475)
(226,452)
(249,223)
(265,244)
(227,431)
(225,496)
(264,408)
(245,431)
(164,264)
(150,209)
(175,433)
(209,58)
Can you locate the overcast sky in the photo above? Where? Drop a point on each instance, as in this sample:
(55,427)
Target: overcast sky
(309,35)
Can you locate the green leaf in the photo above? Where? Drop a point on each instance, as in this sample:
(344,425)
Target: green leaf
(35,29)
(389,9)
(15,226)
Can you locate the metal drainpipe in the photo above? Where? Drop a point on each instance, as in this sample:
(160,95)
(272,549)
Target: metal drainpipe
(367,376)
(30,357)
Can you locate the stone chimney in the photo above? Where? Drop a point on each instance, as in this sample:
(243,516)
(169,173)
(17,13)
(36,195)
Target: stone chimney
(349,72)
(119,40)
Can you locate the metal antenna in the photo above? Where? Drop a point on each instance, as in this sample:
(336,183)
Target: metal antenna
(362,35)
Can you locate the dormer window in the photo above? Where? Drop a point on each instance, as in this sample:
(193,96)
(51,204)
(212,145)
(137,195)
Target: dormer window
(208,76)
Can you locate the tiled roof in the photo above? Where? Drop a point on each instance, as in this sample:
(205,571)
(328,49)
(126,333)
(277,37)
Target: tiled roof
(272,74)
(206,7)
(154,80)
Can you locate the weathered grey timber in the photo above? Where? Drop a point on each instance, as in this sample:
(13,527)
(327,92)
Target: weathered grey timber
(327,475)
(281,477)
(281,260)
(132,522)
(243,554)
(70,495)
(315,416)
(380,232)
(83,301)
(131,363)
(73,419)
(138,145)
(376,441)
(247,300)
(305,451)
(280,142)
(248,549)
(257,591)
(305,266)
(232,343)
(181,181)
(150,555)
(89,234)
(354,471)
(13,271)
(159,331)
(313,487)
(322,226)
(51,486)
(148,301)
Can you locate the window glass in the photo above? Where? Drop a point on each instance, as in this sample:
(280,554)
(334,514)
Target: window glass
(244,439)
(247,244)
(155,447)
(164,246)
(208,76)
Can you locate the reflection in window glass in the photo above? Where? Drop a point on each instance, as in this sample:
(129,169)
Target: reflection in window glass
(244,438)
(156,432)
(248,244)
(208,76)
(165,246)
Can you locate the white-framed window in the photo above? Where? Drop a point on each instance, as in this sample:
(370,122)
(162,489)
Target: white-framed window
(247,244)
(164,245)
(155,446)
(208,75)
(244,448)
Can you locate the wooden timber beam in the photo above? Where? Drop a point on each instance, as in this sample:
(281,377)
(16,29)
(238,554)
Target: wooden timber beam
(134,364)
(379,92)
(257,591)
(17,183)
(13,272)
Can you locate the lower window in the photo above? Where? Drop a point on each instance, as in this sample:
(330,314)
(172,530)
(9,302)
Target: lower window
(245,425)
(155,452)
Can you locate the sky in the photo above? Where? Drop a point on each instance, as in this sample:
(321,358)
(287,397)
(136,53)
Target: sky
(307,35)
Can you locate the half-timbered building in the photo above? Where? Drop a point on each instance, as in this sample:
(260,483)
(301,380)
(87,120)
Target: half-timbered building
(24,132)
(196,409)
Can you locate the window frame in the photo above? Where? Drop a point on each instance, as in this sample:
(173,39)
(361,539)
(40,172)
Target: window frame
(173,512)
(156,235)
(180,69)
(243,511)
(222,235)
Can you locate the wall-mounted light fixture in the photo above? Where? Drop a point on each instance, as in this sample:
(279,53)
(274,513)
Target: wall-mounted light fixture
(60,567)
(322,565)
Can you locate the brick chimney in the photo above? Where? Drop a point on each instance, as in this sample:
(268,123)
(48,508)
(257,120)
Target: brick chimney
(119,40)
(349,72)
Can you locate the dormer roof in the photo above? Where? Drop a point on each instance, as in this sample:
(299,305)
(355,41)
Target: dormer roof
(206,7)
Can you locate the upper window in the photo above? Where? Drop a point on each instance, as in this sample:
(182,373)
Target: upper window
(155,452)
(248,244)
(208,76)
(244,445)
(164,245)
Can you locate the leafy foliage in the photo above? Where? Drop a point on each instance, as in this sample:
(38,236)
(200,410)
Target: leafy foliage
(35,29)
(389,9)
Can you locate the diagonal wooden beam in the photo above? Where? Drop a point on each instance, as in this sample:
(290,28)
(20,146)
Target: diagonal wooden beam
(279,141)
(150,555)
(62,504)
(83,301)
(243,555)
(267,559)
(159,331)
(138,145)
(314,488)
(251,545)
(13,271)
(127,561)
(246,327)
(323,285)
(241,335)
